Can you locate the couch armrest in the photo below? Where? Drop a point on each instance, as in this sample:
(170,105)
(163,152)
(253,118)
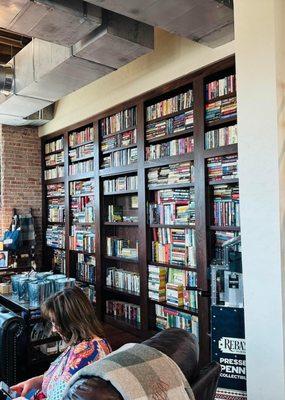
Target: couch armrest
(92,388)
(205,385)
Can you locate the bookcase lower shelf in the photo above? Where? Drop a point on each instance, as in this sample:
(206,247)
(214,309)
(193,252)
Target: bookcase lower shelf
(134,329)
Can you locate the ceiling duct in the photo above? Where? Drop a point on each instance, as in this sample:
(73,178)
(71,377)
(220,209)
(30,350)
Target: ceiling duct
(6,79)
(205,21)
(58,21)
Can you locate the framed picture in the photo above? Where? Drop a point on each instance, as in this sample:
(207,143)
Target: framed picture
(134,201)
(3,259)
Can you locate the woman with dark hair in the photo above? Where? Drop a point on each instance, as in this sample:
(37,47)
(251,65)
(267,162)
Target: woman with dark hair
(72,317)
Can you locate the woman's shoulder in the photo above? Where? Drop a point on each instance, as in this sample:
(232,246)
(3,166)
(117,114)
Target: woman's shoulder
(93,345)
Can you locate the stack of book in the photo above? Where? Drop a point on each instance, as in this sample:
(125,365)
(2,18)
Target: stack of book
(221,109)
(120,158)
(176,103)
(221,87)
(81,167)
(174,246)
(173,207)
(169,126)
(118,122)
(169,318)
(223,167)
(130,313)
(221,137)
(55,145)
(124,280)
(120,184)
(58,261)
(173,173)
(82,239)
(220,238)
(174,294)
(55,190)
(121,248)
(79,138)
(54,159)
(53,173)
(226,205)
(86,150)
(82,209)
(56,209)
(156,283)
(120,140)
(55,236)
(173,148)
(78,188)
(86,268)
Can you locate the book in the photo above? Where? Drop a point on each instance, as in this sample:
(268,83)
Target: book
(171,174)
(78,138)
(222,167)
(127,312)
(120,184)
(221,137)
(121,279)
(117,122)
(221,87)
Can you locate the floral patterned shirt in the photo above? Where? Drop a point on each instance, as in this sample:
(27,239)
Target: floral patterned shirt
(68,363)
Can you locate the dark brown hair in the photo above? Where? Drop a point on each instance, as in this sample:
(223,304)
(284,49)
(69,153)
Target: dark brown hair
(73,315)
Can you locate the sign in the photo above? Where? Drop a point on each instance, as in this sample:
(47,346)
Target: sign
(228,346)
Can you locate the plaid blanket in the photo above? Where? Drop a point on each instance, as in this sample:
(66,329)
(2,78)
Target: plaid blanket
(140,372)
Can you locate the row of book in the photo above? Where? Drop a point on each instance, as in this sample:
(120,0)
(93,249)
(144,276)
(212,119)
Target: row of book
(82,209)
(158,277)
(120,184)
(120,140)
(169,126)
(82,239)
(56,210)
(54,159)
(58,261)
(116,214)
(169,318)
(84,151)
(221,109)
(173,207)
(81,167)
(174,246)
(221,137)
(172,148)
(122,279)
(173,173)
(86,268)
(118,122)
(120,158)
(222,167)
(221,87)
(82,188)
(55,190)
(55,236)
(173,104)
(55,145)
(127,312)
(118,247)
(81,137)
(226,205)
(53,173)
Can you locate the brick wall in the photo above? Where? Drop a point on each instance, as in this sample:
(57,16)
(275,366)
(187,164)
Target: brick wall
(20,150)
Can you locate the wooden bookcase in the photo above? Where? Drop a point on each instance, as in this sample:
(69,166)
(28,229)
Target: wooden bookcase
(138,229)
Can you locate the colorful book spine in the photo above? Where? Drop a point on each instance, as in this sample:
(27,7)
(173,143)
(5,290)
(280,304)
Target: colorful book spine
(81,167)
(55,236)
(55,145)
(226,205)
(222,167)
(82,239)
(120,140)
(172,174)
(116,247)
(157,283)
(86,268)
(124,280)
(53,173)
(173,104)
(81,137)
(172,148)
(170,126)
(126,312)
(221,87)
(120,184)
(169,318)
(120,158)
(221,137)
(118,122)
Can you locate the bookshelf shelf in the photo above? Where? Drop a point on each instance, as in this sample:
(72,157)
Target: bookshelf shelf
(221,122)
(79,177)
(223,182)
(121,223)
(225,228)
(170,136)
(174,226)
(122,259)
(184,309)
(128,169)
(54,152)
(224,97)
(124,325)
(82,159)
(54,180)
(121,192)
(132,296)
(81,144)
(169,160)
(130,146)
(82,252)
(174,114)
(54,165)
(55,223)
(221,151)
(131,128)
(173,186)
(174,266)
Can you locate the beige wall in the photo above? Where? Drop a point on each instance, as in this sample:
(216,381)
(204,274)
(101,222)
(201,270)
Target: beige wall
(173,57)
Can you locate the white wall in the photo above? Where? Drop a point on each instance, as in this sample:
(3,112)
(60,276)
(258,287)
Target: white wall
(259,40)
(173,57)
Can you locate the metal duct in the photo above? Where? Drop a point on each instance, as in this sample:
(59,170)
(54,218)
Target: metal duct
(6,79)
(57,21)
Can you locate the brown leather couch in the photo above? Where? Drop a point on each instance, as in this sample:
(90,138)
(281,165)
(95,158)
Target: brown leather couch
(179,345)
